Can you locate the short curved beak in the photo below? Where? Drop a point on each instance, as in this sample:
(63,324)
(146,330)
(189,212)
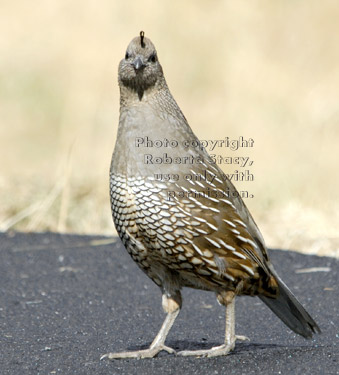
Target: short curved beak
(138,63)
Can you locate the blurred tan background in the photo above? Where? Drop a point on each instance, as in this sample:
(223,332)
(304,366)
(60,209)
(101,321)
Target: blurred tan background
(262,69)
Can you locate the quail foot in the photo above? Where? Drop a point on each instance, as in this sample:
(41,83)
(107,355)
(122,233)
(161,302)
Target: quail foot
(184,231)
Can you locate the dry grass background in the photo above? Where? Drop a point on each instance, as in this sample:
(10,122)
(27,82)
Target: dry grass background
(262,69)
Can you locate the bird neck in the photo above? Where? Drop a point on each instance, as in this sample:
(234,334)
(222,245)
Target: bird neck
(132,95)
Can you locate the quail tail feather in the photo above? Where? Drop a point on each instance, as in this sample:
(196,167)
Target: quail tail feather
(290,311)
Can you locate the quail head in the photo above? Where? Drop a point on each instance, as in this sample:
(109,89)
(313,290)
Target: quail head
(184,232)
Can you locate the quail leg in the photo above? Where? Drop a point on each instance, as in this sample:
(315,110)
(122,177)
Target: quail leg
(230,337)
(172,307)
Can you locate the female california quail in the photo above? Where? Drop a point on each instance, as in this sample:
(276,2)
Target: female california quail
(188,228)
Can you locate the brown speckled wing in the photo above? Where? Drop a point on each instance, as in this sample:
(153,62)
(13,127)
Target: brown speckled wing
(191,226)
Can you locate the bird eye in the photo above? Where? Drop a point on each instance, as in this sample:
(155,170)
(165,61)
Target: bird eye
(153,58)
(126,56)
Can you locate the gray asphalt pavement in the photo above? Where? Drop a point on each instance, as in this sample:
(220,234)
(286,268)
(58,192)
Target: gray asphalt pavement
(65,300)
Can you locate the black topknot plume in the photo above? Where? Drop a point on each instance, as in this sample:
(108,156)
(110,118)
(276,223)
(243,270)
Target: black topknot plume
(142,34)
